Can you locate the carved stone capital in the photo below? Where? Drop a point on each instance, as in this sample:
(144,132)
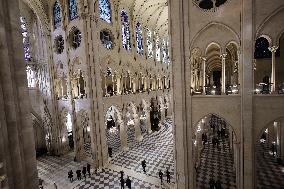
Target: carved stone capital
(273,49)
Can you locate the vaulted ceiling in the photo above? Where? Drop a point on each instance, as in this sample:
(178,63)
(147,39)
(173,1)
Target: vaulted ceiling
(151,13)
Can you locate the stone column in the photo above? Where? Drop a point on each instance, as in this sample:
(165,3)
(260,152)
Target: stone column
(148,122)
(112,80)
(16,129)
(105,85)
(277,131)
(236,147)
(123,134)
(239,71)
(204,74)
(247,145)
(273,80)
(223,56)
(281,141)
(138,135)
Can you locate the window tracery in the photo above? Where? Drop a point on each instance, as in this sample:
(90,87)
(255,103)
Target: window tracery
(105,10)
(31,75)
(59,44)
(57,15)
(125,30)
(76,38)
(73,10)
(139,39)
(261,48)
(149,43)
(209,5)
(106,39)
(158,49)
(26,39)
(166,51)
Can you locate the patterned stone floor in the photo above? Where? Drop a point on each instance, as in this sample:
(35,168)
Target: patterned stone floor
(113,141)
(216,164)
(110,179)
(156,148)
(269,173)
(54,170)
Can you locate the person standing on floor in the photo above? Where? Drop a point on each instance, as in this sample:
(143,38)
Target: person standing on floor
(121,174)
(70,175)
(122,183)
(144,165)
(78,173)
(55,186)
(128,182)
(168,176)
(161,176)
(218,184)
(89,169)
(212,183)
(84,171)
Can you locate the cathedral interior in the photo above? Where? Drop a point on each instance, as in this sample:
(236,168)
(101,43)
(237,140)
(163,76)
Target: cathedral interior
(161,93)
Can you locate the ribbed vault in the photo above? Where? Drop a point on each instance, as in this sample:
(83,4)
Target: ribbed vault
(152,14)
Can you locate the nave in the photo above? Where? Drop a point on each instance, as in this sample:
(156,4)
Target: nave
(214,152)
(217,164)
(156,148)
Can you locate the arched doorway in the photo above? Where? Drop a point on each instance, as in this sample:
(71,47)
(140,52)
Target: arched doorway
(269,156)
(132,124)
(214,152)
(85,133)
(155,115)
(113,125)
(144,117)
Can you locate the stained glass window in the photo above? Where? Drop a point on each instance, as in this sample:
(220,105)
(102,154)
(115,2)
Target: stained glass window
(57,15)
(73,10)
(59,44)
(76,38)
(105,11)
(125,31)
(165,51)
(139,38)
(261,48)
(158,49)
(26,40)
(149,43)
(106,39)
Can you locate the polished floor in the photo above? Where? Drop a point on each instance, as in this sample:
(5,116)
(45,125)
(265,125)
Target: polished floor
(216,163)
(269,173)
(156,149)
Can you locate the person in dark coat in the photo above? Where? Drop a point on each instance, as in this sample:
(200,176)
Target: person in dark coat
(144,166)
(121,174)
(70,175)
(218,184)
(168,176)
(84,171)
(89,169)
(122,183)
(78,173)
(128,182)
(161,176)
(212,183)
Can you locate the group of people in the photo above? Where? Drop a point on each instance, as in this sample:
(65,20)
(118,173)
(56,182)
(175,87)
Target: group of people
(86,170)
(168,175)
(215,184)
(123,182)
